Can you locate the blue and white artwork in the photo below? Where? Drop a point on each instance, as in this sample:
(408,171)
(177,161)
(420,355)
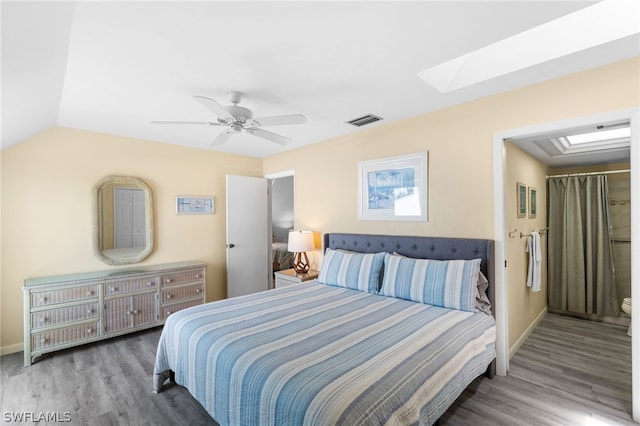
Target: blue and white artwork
(393,188)
(194,205)
(388,186)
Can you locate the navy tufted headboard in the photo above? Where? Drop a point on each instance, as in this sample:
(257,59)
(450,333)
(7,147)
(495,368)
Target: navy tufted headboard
(438,248)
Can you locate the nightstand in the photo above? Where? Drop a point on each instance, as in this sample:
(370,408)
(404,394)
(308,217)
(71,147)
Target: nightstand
(289,277)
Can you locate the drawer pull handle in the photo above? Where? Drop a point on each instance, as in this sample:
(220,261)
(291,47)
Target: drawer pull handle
(89,293)
(43,319)
(135,312)
(198,290)
(150,283)
(168,313)
(128,312)
(114,288)
(89,330)
(168,280)
(168,297)
(198,276)
(89,311)
(43,340)
(43,299)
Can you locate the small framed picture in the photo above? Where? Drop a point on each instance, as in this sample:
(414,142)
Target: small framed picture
(533,206)
(521,191)
(190,204)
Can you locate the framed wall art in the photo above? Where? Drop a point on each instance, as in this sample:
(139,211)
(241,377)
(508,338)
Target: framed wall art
(521,192)
(190,204)
(393,188)
(533,202)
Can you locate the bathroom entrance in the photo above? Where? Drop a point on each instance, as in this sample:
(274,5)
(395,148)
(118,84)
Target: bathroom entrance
(511,330)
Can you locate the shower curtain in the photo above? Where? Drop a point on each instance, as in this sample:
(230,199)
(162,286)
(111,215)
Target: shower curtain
(581,273)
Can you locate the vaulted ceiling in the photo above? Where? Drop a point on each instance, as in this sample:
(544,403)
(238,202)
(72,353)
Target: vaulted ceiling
(114,67)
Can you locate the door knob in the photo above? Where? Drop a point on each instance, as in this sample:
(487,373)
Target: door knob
(231,245)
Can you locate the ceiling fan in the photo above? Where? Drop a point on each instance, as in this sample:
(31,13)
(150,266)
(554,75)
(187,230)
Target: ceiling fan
(238,119)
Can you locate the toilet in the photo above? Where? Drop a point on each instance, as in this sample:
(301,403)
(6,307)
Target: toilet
(626,308)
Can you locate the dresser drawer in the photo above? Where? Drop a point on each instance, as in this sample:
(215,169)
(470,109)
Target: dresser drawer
(130,286)
(64,315)
(183,277)
(52,297)
(176,294)
(167,310)
(63,335)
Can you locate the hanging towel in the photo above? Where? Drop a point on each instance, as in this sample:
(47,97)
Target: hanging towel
(535,261)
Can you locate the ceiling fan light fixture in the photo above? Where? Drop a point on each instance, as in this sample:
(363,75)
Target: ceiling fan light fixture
(239,112)
(238,119)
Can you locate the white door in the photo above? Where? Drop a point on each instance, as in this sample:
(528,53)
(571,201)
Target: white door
(248,235)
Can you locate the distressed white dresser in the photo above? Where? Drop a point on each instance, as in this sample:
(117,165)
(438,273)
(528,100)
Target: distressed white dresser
(70,310)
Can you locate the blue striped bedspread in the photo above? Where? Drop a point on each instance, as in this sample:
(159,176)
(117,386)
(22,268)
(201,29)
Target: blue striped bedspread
(313,354)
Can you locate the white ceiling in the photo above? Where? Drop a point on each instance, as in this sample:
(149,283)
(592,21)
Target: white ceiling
(114,67)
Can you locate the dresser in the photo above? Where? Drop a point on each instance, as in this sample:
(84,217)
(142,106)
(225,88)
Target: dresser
(70,310)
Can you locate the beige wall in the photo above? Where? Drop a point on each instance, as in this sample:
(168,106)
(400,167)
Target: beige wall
(46,208)
(460,143)
(524,304)
(46,182)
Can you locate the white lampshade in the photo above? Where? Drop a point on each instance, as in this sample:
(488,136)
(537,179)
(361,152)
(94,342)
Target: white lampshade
(300,241)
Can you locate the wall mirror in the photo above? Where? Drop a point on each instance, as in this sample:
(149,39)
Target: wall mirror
(122,220)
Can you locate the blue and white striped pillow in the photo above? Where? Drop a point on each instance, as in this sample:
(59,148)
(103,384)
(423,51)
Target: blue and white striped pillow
(446,283)
(359,271)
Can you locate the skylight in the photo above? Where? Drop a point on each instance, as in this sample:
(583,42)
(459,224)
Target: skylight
(592,26)
(606,136)
(601,136)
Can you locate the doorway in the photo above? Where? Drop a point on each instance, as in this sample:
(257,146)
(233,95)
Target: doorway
(500,229)
(281,208)
(282,218)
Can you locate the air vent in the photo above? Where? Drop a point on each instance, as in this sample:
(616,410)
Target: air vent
(364,120)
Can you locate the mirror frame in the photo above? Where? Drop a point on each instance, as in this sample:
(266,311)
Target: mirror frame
(97,217)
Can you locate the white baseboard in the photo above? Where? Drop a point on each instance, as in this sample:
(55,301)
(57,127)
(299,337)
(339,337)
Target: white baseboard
(527,332)
(11,349)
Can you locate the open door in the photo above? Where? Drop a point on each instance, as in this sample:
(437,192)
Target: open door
(248,235)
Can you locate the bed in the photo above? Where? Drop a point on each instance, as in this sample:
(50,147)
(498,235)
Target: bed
(360,345)
(282,257)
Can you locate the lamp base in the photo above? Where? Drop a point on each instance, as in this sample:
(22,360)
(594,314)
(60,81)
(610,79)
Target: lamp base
(300,265)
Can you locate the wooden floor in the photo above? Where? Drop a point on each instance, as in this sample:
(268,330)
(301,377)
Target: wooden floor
(569,372)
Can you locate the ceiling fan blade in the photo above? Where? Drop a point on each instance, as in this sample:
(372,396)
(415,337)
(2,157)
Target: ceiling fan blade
(196,123)
(221,138)
(213,105)
(265,134)
(278,120)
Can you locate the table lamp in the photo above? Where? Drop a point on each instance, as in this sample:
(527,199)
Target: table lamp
(300,242)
